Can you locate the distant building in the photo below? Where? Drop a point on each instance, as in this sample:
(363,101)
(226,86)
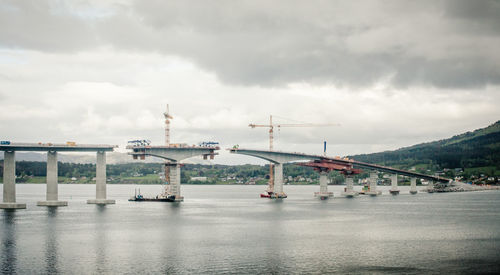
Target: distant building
(199,178)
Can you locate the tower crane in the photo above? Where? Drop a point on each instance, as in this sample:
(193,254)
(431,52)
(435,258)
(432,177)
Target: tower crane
(168,117)
(271,126)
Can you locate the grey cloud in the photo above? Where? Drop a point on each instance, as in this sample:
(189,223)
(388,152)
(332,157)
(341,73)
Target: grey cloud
(39,25)
(483,13)
(409,43)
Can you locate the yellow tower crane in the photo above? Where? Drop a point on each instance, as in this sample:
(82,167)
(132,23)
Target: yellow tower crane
(271,126)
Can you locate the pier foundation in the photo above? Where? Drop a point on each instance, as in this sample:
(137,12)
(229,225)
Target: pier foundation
(373,185)
(349,187)
(323,187)
(394,185)
(52,186)
(9,182)
(413,186)
(101,181)
(175,181)
(430,187)
(278,180)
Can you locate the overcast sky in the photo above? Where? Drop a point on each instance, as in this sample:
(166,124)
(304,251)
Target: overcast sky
(392,73)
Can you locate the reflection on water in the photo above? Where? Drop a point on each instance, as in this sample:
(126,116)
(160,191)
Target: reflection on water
(100,240)
(171,239)
(9,242)
(51,249)
(229,229)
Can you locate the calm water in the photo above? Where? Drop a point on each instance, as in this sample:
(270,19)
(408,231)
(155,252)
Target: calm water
(228,229)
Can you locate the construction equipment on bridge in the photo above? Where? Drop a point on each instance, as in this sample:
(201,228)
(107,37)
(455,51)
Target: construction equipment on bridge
(139,142)
(327,165)
(209,144)
(271,126)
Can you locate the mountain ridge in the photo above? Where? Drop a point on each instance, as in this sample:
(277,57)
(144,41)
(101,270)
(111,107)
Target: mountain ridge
(478,148)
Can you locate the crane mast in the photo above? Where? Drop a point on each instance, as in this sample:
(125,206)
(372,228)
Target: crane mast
(270,185)
(167,126)
(168,117)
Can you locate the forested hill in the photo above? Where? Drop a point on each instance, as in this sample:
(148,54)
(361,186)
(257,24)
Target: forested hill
(480,148)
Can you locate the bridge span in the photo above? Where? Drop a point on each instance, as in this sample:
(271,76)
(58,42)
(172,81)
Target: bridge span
(9,171)
(323,163)
(175,154)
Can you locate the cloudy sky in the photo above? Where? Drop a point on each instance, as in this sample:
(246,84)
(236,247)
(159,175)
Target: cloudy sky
(392,73)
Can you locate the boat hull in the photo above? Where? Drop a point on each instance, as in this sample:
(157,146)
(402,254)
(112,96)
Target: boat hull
(273,196)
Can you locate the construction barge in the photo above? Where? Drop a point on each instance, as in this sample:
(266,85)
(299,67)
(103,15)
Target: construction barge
(162,197)
(273,195)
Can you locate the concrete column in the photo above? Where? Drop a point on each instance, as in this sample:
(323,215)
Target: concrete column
(323,187)
(373,184)
(430,186)
(101,180)
(278,178)
(394,185)
(413,186)
(175,181)
(52,192)
(349,188)
(9,182)
(349,182)
(323,182)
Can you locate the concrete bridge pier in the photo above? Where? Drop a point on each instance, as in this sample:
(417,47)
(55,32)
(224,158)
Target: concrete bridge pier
(413,186)
(349,187)
(101,181)
(52,192)
(430,186)
(278,180)
(9,182)
(175,181)
(323,186)
(394,185)
(373,185)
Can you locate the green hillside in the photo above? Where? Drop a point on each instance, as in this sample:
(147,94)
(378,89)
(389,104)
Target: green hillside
(476,152)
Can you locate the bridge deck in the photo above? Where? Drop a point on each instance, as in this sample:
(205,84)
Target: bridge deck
(355,163)
(56,147)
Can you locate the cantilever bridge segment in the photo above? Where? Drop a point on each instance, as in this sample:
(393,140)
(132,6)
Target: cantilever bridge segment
(9,186)
(279,158)
(275,189)
(175,154)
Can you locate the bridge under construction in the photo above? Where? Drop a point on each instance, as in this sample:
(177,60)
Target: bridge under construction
(174,153)
(324,164)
